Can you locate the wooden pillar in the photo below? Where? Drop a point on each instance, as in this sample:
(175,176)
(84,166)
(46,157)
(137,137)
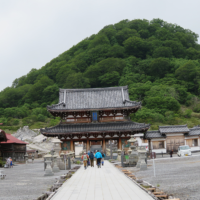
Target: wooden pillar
(120,144)
(104,145)
(72,145)
(87,146)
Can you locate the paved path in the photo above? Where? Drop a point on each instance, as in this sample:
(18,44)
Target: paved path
(96,184)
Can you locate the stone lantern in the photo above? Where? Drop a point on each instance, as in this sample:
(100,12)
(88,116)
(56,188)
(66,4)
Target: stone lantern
(62,156)
(56,145)
(119,152)
(133,156)
(142,156)
(55,165)
(26,157)
(129,152)
(48,169)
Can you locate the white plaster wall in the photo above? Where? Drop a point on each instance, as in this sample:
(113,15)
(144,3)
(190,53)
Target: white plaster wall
(195,148)
(139,140)
(159,150)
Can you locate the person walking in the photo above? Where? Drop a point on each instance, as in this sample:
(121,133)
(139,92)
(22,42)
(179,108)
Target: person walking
(88,161)
(103,156)
(98,156)
(8,162)
(11,163)
(91,159)
(171,153)
(95,157)
(85,158)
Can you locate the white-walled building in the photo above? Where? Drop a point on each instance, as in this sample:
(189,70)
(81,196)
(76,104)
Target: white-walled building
(169,138)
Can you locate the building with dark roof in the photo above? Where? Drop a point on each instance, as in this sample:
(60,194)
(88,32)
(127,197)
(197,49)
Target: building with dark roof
(13,148)
(94,115)
(169,138)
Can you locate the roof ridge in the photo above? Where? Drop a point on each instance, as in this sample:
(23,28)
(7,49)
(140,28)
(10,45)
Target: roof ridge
(154,131)
(93,89)
(171,126)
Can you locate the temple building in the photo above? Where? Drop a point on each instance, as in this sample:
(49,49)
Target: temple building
(94,116)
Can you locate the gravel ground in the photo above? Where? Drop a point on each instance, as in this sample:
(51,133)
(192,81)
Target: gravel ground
(26,182)
(179,177)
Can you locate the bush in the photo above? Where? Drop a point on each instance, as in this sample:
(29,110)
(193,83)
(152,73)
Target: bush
(41,118)
(15,122)
(196,108)
(27,121)
(187,113)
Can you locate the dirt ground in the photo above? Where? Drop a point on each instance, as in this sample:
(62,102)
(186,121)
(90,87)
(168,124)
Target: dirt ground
(26,182)
(179,177)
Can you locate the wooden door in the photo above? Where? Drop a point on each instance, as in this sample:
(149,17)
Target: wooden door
(173,142)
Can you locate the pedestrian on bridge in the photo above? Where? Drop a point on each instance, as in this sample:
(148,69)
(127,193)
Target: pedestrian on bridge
(91,159)
(103,156)
(98,156)
(85,158)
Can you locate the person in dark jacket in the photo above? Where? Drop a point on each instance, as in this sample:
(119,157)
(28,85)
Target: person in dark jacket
(91,159)
(171,153)
(103,156)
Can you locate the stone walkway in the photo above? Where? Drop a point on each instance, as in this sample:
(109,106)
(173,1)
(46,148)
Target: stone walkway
(97,184)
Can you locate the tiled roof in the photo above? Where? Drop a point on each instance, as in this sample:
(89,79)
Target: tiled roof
(94,98)
(174,129)
(12,140)
(96,127)
(194,131)
(153,134)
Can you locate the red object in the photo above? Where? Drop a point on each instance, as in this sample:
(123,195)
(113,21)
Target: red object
(12,140)
(1,124)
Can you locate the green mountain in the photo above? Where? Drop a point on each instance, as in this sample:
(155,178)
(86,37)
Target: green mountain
(159,61)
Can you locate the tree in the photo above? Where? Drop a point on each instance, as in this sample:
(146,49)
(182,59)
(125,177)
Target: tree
(165,52)
(36,91)
(77,81)
(159,67)
(136,46)
(109,79)
(124,34)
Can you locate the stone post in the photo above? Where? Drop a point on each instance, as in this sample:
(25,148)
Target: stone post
(48,162)
(55,165)
(33,157)
(26,158)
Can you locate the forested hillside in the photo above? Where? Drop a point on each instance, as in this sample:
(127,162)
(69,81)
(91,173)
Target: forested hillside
(160,62)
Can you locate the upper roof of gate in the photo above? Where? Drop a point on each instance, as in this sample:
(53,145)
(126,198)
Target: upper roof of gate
(94,98)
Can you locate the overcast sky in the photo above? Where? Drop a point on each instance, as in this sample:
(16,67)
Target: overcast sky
(34,32)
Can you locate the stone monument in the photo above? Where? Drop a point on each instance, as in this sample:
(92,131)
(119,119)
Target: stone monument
(133,157)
